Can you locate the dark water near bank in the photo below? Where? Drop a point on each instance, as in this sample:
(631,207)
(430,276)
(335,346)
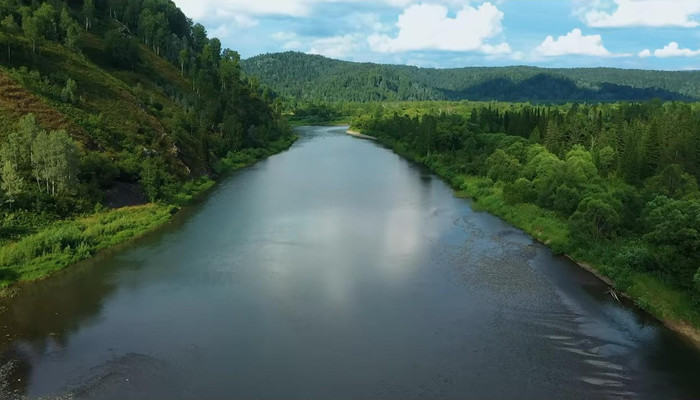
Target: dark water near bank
(335,270)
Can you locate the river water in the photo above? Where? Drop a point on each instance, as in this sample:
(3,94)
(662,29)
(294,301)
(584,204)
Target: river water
(335,270)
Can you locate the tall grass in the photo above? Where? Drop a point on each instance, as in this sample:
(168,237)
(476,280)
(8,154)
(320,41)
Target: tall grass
(66,242)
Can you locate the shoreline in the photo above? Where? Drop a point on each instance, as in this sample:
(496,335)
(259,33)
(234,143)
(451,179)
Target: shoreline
(162,215)
(359,135)
(684,329)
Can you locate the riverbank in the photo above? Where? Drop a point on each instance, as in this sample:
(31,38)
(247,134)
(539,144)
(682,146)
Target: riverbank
(671,306)
(64,243)
(360,135)
(295,123)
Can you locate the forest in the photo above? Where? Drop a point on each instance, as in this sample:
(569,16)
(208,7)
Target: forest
(109,103)
(614,185)
(301,78)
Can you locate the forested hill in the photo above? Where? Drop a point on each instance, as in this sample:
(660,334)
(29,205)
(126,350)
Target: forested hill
(137,92)
(313,77)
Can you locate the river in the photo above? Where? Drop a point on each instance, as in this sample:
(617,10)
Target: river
(335,270)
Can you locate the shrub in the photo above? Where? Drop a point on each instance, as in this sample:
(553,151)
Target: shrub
(636,256)
(520,191)
(68,94)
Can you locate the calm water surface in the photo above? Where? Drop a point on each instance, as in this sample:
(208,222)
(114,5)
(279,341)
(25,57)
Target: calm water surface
(335,270)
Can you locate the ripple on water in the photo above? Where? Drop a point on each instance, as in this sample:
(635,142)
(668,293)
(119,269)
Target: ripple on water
(140,375)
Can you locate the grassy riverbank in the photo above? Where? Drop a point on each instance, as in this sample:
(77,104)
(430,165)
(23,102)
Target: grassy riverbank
(61,244)
(67,242)
(674,307)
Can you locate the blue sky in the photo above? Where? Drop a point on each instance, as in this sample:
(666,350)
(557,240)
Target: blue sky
(649,34)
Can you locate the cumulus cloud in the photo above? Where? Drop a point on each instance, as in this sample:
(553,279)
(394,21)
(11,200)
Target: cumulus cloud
(288,40)
(368,21)
(429,27)
(236,23)
(574,42)
(498,49)
(653,13)
(336,46)
(243,21)
(645,53)
(670,50)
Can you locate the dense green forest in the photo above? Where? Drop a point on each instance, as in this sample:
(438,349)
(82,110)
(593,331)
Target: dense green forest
(110,103)
(614,185)
(301,78)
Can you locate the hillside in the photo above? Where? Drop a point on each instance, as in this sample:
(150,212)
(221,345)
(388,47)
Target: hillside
(313,77)
(105,104)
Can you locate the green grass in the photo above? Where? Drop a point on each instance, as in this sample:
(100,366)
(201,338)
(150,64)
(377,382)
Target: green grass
(245,158)
(66,242)
(662,301)
(193,190)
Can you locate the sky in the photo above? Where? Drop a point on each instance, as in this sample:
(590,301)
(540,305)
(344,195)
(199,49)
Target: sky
(648,34)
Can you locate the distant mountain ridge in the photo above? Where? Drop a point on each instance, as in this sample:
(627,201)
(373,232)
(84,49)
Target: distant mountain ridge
(312,77)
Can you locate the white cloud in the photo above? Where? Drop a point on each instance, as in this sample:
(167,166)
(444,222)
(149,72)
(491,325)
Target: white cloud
(336,46)
(428,27)
(670,50)
(216,9)
(199,9)
(498,49)
(654,13)
(238,22)
(290,40)
(243,21)
(573,42)
(284,36)
(367,21)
